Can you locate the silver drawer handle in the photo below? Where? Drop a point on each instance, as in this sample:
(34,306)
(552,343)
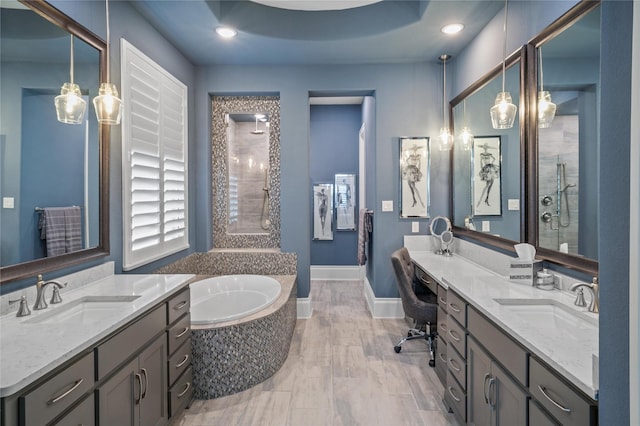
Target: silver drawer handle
(184,360)
(186,388)
(452,362)
(443,358)
(146,383)
(443,325)
(565,409)
(452,334)
(443,301)
(139,378)
(58,398)
(182,333)
(455,307)
(450,389)
(180,306)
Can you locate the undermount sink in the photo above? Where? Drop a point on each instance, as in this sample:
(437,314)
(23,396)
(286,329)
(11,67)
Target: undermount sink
(547,313)
(84,310)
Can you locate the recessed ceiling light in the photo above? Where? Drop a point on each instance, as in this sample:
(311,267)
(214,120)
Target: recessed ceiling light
(226,32)
(452,28)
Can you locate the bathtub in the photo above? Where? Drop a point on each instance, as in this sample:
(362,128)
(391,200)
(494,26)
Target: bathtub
(230,297)
(237,348)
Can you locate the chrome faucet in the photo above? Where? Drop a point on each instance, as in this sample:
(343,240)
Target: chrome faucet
(594,306)
(41,286)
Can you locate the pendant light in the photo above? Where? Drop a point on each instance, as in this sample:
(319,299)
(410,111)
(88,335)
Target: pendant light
(70,105)
(466,137)
(503,113)
(445,139)
(107,104)
(546,108)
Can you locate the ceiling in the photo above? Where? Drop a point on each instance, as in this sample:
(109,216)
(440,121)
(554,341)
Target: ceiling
(388,31)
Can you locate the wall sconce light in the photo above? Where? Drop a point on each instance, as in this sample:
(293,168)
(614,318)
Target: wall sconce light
(107,104)
(466,137)
(70,106)
(445,139)
(503,113)
(546,108)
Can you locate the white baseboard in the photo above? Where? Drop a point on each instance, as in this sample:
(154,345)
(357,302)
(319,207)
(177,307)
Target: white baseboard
(335,273)
(304,307)
(382,307)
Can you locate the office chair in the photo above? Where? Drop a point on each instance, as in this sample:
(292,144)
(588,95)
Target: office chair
(421,308)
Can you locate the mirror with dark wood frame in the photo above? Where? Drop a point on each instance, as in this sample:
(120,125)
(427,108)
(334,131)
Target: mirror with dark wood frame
(36,52)
(563,154)
(487,175)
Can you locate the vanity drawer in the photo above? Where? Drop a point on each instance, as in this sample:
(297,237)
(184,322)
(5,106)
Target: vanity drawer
(457,308)
(442,325)
(441,361)
(455,397)
(456,336)
(179,361)
(181,392)
(178,305)
(564,403)
(52,397)
(502,348)
(179,333)
(458,368)
(112,353)
(83,414)
(537,416)
(442,297)
(426,280)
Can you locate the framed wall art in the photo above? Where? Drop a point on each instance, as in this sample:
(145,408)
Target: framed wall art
(345,186)
(414,177)
(486,176)
(322,211)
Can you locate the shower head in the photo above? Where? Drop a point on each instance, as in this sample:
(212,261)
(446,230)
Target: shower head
(257,131)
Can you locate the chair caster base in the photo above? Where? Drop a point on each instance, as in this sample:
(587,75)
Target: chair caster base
(432,363)
(397,349)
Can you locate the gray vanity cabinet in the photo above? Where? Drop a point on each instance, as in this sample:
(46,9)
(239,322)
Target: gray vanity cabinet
(136,394)
(455,397)
(493,398)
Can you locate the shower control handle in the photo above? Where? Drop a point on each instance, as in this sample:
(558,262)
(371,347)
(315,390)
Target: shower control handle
(546,217)
(546,200)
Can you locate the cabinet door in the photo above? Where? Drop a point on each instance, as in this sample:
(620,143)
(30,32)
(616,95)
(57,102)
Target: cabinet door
(153,369)
(478,377)
(510,401)
(118,397)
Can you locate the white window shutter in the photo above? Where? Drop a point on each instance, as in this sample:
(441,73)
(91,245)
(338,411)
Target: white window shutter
(154,160)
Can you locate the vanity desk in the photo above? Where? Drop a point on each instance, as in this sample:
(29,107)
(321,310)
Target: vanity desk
(509,353)
(104,355)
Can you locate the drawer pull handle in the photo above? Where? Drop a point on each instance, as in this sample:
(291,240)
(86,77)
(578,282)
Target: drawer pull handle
(182,333)
(453,335)
(442,358)
(186,388)
(484,387)
(452,362)
(443,300)
(146,382)
(450,389)
(184,360)
(455,308)
(180,306)
(58,398)
(139,378)
(565,409)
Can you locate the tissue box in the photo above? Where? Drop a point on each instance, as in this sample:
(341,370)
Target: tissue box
(524,271)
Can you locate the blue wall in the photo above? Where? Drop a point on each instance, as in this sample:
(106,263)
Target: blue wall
(334,149)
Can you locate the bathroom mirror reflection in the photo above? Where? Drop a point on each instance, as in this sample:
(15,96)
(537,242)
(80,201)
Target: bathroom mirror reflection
(568,67)
(246,172)
(470,110)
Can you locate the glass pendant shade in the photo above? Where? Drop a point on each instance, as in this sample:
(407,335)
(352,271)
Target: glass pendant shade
(503,113)
(445,139)
(108,105)
(546,109)
(70,106)
(466,139)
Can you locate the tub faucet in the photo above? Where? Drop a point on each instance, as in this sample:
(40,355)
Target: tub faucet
(594,306)
(41,286)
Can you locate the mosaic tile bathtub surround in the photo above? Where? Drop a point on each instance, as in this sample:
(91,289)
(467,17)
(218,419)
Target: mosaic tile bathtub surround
(227,263)
(227,360)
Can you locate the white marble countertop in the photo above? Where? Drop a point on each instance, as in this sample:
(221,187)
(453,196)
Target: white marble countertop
(29,349)
(568,348)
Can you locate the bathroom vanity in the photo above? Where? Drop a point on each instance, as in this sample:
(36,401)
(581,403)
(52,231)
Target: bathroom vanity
(116,351)
(509,353)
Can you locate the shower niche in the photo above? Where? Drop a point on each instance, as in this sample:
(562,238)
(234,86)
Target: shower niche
(246,172)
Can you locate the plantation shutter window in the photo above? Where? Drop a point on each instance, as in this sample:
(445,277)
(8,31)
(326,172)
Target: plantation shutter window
(154,160)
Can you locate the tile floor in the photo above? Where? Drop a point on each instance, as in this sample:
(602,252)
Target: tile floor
(341,370)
